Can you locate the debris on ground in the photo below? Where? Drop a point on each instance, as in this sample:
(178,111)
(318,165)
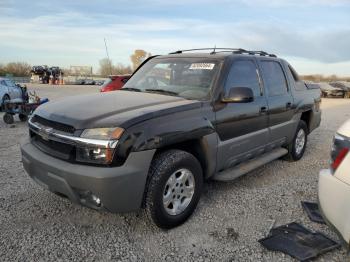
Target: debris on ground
(223,236)
(298,241)
(273,222)
(312,211)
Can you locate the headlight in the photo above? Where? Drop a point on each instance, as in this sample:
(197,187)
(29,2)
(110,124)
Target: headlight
(103,133)
(94,151)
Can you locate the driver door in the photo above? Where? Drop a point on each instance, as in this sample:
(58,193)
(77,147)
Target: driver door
(242,127)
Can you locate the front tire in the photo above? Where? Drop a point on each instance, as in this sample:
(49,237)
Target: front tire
(297,147)
(174,188)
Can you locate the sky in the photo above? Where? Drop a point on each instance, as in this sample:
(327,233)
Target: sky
(313,35)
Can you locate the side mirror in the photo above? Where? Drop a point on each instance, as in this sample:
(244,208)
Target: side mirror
(239,95)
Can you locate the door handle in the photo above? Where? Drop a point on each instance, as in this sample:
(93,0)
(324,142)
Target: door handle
(289,105)
(263,109)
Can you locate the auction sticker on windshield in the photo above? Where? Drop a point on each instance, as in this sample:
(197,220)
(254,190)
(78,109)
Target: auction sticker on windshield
(201,66)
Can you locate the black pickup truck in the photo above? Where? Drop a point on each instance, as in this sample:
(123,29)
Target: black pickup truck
(182,118)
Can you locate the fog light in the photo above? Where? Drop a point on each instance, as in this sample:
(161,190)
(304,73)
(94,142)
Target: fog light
(94,155)
(96,200)
(87,198)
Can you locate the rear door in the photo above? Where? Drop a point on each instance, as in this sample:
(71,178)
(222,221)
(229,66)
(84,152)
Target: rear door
(242,127)
(280,101)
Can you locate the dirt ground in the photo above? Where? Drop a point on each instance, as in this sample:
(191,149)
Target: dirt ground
(37,225)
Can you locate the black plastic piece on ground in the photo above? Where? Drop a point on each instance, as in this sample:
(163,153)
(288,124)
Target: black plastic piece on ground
(298,242)
(313,212)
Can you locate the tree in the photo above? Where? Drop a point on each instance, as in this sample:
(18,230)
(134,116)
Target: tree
(106,67)
(2,70)
(120,69)
(138,57)
(16,69)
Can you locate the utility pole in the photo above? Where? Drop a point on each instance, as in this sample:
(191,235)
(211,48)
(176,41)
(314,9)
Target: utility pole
(109,60)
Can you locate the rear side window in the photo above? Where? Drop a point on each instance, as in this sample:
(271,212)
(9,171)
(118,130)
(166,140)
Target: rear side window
(243,74)
(294,73)
(124,80)
(274,78)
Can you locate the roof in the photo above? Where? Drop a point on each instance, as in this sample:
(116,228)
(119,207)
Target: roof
(217,53)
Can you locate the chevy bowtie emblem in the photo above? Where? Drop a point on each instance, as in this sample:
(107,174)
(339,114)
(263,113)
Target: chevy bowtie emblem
(45,132)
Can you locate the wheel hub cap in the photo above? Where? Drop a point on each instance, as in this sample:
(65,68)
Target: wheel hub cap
(300,141)
(178,191)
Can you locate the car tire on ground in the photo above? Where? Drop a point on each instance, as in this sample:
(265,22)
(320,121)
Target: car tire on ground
(174,188)
(23,117)
(8,119)
(297,147)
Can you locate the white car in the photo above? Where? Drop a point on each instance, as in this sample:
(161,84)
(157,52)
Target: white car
(9,90)
(334,185)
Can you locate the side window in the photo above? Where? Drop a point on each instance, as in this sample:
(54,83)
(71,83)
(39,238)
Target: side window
(3,83)
(274,77)
(244,74)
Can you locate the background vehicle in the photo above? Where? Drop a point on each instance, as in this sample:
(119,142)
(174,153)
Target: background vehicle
(9,90)
(331,91)
(114,83)
(334,185)
(343,85)
(180,119)
(22,107)
(85,81)
(42,74)
(89,82)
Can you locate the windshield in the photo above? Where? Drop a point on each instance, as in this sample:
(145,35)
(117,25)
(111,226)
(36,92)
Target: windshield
(189,78)
(9,82)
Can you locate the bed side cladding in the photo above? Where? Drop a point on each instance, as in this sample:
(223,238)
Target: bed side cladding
(309,111)
(189,130)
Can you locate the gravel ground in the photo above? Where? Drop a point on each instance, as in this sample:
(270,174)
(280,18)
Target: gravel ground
(36,225)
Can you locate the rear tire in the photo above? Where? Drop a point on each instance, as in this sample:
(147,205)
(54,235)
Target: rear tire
(174,188)
(8,119)
(297,147)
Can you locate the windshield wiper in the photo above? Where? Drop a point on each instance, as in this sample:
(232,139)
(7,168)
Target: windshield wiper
(131,89)
(161,91)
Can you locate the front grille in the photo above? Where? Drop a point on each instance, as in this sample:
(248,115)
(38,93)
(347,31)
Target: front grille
(53,148)
(53,124)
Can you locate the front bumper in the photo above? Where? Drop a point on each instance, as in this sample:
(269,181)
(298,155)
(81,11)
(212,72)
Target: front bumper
(333,197)
(120,189)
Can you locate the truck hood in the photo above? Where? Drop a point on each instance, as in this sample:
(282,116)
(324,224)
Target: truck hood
(112,109)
